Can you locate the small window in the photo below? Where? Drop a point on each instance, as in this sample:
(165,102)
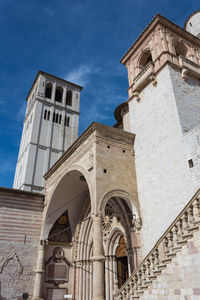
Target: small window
(68,120)
(54,117)
(69,98)
(48,91)
(57,118)
(60,119)
(45,114)
(191,164)
(59,93)
(48,115)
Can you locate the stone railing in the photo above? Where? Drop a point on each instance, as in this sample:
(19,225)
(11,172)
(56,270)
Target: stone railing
(167,246)
(143,76)
(189,65)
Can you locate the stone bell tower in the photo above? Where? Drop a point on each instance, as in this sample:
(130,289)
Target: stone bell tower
(50,127)
(164,112)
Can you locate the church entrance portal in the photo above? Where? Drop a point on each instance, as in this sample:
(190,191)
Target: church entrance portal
(122,262)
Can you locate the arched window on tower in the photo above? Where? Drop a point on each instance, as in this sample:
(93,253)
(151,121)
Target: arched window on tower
(68,120)
(48,91)
(180,49)
(69,98)
(54,117)
(48,115)
(45,114)
(60,119)
(145,59)
(57,115)
(59,93)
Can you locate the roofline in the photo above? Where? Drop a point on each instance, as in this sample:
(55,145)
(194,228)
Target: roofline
(190,16)
(87,132)
(11,190)
(157,19)
(61,79)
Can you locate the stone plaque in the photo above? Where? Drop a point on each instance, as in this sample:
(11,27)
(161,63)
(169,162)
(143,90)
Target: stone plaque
(57,271)
(56,294)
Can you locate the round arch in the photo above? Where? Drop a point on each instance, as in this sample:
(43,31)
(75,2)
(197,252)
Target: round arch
(179,47)
(129,199)
(144,58)
(68,193)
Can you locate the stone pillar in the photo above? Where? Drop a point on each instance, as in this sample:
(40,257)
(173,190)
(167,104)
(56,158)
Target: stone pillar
(53,92)
(98,259)
(37,292)
(64,97)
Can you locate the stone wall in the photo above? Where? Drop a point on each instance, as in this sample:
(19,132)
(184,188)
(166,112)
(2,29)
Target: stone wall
(191,141)
(162,171)
(180,279)
(20,224)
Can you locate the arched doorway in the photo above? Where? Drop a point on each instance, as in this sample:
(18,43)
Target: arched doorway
(122,262)
(118,244)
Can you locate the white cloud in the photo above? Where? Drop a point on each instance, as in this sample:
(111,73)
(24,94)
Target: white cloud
(81,75)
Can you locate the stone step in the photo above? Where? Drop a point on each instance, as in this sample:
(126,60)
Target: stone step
(162,266)
(135,297)
(182,242)
(167,260)
(139,292)
(148,282)
(171,254)
(197,222)
(157,272)
(176,248)
(152,276)
(193,228)
(188,235)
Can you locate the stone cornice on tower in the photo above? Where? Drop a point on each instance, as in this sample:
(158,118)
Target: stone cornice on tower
(159,20)
(159,43)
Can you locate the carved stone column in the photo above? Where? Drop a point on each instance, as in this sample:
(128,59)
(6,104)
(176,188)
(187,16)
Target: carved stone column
(98,259)
(37,292)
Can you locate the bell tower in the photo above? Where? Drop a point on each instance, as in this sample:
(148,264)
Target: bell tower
(50,127)
(164,112)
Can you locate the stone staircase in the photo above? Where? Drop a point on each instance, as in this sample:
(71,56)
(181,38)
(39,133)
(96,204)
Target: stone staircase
(163,254)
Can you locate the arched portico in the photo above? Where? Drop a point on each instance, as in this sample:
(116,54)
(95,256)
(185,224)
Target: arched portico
(78,188)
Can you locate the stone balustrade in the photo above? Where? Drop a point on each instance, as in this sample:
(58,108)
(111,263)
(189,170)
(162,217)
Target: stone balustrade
(143,78)
(164,250)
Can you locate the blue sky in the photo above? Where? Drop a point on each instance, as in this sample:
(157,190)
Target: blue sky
(79,40)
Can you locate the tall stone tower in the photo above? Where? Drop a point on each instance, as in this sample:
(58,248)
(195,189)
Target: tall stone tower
(163,110)
(50,127)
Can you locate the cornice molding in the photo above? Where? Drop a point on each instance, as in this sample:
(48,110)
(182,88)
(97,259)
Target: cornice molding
(100,131)
(162,21)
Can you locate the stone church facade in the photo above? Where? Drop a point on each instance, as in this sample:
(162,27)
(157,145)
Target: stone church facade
(120,215)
